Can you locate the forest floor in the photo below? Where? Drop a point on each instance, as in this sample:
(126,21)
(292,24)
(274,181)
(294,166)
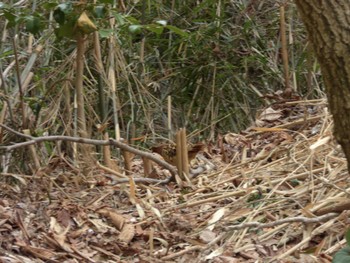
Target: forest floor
(269,194)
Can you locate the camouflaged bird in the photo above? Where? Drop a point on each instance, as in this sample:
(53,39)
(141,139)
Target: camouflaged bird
(168,151)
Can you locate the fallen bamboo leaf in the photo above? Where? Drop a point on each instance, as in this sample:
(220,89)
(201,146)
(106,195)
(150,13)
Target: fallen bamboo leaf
(216,217)
(127,233)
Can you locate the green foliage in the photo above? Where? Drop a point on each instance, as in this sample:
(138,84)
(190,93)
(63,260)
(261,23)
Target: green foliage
(73,21)
(105,33)
(342,256)
(106,1)
(177,30)
(70,17)
(8,13)
(66,29)
(215,61)
(134,29)
(100,11)
(62,13)
(35,103)
(347,237)
(255,197)
(34,24)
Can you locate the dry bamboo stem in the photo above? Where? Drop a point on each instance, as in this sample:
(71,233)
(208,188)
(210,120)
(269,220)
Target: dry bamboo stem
(184,153)
(33,152)
(178,154)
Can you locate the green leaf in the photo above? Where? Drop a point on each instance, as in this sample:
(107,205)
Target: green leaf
(99,11)
(65,7)
(66,30)
(105,32)
(33,24)
(132,20)
(106,1)
(155,28)
(342,256)
(294,182)
(120,18)
(6,53)
(35,103)
(162,22)
(59,16)
(10,17)
(61,12)
(347,237)
(201,7)
(49,5)
(178,31)
(134,29)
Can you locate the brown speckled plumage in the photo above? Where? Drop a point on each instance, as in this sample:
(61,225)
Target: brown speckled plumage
(168,151)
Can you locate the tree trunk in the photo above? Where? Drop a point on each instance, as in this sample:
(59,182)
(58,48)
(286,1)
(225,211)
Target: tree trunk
(79,86)
(328,23)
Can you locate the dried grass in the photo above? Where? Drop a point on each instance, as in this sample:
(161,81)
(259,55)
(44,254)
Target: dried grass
(280,196)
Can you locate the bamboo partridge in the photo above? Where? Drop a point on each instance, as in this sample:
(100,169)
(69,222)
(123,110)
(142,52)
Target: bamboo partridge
(168,151)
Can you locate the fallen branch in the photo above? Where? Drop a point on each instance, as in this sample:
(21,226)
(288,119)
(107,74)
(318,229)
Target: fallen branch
(305,220)
(140,181)
(182,252)
(34,140)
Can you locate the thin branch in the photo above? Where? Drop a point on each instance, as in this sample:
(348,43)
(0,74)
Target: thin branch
(305,220)
(118,144)
(140,181)
(16,132)
(182,252)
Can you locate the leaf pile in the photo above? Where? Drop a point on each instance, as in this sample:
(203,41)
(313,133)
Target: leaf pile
(278,194)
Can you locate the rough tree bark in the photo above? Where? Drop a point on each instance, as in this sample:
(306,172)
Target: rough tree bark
(328,25)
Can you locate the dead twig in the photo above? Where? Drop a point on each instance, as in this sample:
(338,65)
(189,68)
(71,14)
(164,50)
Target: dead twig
(305,220)
(182,252)
(34,140)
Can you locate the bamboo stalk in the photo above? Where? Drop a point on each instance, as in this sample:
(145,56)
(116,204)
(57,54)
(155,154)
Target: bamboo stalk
(19,83)
(284,48)
(179,154)
(169,118)
(33,152)
(147,166)
(184,153)
(127,161)
(79,86)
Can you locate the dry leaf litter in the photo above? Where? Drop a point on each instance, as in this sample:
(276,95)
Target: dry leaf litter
(273,196)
